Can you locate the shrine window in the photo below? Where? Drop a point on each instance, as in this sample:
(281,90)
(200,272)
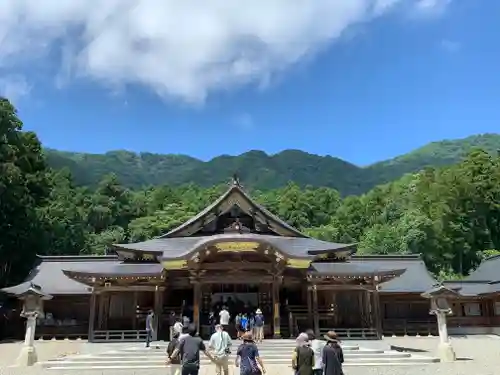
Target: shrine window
(472,309)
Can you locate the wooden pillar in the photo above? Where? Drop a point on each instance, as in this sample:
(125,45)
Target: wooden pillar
(276,308)
(315,310)
(93,297)
(134,316)
(196,304)
(157,312)
(310,322)
(368,309)
(376,309)
(159,308)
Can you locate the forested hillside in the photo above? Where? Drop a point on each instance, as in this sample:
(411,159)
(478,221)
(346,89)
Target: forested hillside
(450,214)
(262,171)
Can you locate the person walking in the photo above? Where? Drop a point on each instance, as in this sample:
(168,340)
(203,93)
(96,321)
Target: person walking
(220,345)
(189,349)
(177,328)
(174,361)
(224,317)
(149,327)
(317,347)
(248,358)
(259,326)
(332,357)
(303,356)
(171,322)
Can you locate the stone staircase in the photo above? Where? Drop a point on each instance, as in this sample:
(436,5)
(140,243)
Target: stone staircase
(273,352)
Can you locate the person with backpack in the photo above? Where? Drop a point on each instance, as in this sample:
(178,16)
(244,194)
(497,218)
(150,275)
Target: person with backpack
(175,362)
(220,345)
(259,326)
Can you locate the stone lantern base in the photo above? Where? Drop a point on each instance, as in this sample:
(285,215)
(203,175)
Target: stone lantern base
(446,352)
(27,356)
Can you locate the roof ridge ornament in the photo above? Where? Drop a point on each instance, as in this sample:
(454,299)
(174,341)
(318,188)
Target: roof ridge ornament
(235,181)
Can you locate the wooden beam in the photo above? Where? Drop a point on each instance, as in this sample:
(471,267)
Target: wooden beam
(237,265)
(128,288)
(345,287)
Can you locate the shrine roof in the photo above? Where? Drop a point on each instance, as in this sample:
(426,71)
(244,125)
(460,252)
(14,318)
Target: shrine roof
(235,194)
(415,278)
(48,273)
(488,270)
(178,248)
(112,269)
(355,269)
(472,288)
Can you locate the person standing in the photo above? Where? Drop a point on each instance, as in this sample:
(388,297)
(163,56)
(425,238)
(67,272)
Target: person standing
(171,322)
(303,356)
(177,328)
(220,344)
(189,349)
(332,357)
(149,327)
(247,357)
(259,326)
(317,347)
(224,317)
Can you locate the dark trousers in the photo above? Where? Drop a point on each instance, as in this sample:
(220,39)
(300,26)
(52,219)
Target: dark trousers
(318,372)
(190,370)
(149,337)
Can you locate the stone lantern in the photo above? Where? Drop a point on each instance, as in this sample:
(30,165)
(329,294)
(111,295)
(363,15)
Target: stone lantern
(440,307)
(32,297)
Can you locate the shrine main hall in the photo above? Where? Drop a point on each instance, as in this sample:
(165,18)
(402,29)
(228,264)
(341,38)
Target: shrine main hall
(237,253)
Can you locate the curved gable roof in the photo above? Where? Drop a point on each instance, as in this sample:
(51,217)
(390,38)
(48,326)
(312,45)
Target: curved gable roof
(235,195)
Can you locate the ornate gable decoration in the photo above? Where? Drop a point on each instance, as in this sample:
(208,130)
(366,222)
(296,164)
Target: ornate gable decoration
(235,196)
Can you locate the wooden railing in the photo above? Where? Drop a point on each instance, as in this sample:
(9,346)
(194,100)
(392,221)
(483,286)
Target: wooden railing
(353,333)
(407,327)
(119,335)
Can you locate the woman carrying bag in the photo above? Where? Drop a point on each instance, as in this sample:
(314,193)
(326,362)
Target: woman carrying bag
(247,357)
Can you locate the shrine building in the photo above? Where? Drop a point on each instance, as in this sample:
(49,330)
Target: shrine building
(237,253)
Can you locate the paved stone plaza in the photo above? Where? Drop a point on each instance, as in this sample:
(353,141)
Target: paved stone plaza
(478,355)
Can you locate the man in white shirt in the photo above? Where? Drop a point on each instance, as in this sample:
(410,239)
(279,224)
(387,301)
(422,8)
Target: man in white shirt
(224,318)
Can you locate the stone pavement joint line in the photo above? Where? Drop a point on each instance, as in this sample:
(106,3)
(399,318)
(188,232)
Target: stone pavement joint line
(273,352)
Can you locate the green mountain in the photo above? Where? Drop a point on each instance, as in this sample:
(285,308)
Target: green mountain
(260,170)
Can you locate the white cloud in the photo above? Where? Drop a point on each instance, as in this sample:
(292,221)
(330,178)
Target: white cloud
(14,87)
(432,6)
(181,49)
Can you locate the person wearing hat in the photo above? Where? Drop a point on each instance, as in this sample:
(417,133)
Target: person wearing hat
(333,357)
(248,358)
(303,356)
(259,325)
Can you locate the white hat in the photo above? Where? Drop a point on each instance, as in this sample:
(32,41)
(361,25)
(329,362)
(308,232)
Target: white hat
(258,311)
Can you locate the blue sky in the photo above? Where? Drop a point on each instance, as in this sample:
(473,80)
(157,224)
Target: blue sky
(395,79)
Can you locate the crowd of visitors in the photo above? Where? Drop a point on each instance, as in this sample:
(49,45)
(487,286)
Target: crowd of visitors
(310,357)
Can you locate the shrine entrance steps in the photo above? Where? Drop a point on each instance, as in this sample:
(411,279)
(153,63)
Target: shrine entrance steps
(273,352)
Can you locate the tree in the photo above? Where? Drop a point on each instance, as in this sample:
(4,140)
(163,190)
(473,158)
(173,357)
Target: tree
(23,188)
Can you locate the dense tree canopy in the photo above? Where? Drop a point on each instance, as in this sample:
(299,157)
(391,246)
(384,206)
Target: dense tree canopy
(450,215)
